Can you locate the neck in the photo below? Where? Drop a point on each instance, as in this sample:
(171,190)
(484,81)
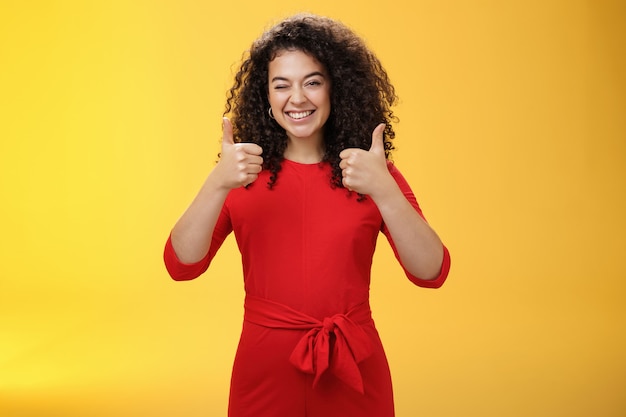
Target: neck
(305,152)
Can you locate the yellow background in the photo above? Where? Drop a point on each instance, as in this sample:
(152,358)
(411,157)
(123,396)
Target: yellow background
(512,134)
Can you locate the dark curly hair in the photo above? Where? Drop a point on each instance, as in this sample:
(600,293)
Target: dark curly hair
(361,93)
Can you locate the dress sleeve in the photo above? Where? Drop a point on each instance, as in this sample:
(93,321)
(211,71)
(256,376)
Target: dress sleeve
(445,264)
(180,271)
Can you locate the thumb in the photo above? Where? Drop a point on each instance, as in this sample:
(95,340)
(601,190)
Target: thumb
(377,139)
(227,132)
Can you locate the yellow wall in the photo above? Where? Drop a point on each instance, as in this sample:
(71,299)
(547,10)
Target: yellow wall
(512,134)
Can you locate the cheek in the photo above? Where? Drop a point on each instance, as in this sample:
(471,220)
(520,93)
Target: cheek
(323,102)
(275,100)
(323,98)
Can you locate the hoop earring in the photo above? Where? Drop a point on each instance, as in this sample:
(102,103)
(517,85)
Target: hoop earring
(269,111)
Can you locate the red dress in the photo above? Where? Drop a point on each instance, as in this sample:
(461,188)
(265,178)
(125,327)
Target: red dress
(308,346)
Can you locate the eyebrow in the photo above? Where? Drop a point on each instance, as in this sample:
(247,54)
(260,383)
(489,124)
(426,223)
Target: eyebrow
(313,74)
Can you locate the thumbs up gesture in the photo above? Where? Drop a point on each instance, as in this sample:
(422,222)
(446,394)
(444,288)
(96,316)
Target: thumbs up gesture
(240,163)
(363,171)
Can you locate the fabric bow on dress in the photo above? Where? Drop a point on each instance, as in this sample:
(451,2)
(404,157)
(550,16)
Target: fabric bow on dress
(336,344)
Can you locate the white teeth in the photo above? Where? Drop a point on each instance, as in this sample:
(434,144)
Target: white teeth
(300,115)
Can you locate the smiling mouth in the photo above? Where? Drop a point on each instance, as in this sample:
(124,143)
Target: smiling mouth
(300,114)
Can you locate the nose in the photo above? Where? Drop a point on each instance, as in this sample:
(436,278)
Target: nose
(298,96)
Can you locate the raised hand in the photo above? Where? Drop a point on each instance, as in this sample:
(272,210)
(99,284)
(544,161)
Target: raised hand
(364,171)
(240,163)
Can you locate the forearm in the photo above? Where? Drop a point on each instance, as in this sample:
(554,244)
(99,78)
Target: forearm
(191,235)
(239,165)
(419,248)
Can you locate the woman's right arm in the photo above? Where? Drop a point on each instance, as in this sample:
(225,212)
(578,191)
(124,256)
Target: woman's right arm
(239,165)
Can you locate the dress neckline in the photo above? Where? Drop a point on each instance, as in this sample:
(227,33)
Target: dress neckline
(302,164)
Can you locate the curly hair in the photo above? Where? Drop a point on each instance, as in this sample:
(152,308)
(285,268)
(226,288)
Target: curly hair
(361,93)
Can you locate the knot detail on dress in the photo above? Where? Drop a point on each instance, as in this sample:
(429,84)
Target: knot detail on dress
(328,324)
(335,344)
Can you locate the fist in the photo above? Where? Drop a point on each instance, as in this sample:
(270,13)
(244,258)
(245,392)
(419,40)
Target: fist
(240,163)
(364,171)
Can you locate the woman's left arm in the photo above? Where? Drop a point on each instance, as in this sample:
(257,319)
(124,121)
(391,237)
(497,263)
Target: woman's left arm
(419,248)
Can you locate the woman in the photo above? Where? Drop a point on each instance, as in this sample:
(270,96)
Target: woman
(304,182)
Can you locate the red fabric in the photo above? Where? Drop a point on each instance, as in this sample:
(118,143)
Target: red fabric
(308,248)
(313,354)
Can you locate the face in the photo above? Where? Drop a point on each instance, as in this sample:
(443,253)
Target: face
(299,95)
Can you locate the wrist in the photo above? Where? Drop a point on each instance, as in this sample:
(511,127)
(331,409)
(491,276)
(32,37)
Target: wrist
(385,189)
